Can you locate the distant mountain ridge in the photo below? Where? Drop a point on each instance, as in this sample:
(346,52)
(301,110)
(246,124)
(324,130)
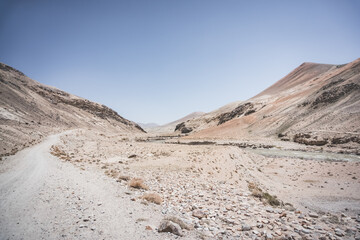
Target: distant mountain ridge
(148,125)
(170,127)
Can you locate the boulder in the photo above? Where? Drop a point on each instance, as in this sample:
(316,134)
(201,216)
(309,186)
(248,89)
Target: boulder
(171,227)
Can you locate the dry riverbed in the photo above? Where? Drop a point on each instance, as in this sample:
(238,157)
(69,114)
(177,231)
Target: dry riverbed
(224,192)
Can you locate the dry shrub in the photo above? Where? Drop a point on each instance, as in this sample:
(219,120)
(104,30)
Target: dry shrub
(264,196)
(153,197)
(57,152)
(138,183)
(272,200)
(113,173)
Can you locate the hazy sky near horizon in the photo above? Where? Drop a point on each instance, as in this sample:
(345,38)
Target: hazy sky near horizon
(157,61)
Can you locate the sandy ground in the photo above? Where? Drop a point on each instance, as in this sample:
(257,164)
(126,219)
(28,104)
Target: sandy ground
(84,192)
(322,198)
(44,198)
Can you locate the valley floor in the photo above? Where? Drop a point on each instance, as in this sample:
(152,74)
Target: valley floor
(209,192)
(44,198)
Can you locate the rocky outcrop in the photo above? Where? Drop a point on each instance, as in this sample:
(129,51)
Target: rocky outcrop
(182,128)
(246,109)
(284,137)
(7,68)
(345,139)
(307,139)
(334,94)
(171,227)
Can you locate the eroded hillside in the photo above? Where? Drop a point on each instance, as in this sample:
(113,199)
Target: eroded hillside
(315,104)
(30,110)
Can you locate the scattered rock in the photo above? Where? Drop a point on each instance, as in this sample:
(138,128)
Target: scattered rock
(179,221)
(245,227)
(268,236)
(171,227)
(313,215)
(270,210)
(339,232)
(198,214)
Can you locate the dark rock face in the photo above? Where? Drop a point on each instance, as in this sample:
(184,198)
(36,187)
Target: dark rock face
(331,93)
(182,128)
(334,94)
(247,108)
(307,139)
(186,130)
(331,84)
(179,126)
(342,140)
(284,137)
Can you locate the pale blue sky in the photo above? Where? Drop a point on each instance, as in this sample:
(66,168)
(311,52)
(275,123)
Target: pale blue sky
(156,61)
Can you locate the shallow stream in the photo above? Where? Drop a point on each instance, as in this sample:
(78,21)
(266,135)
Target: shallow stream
(321,156)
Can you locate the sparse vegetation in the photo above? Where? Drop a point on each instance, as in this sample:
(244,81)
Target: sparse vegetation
(257,192)
(112,173)
(57,152)
(153,197)
(138,183)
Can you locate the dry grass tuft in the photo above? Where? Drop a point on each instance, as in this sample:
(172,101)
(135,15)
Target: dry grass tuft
(264,196)
(57,152)
(112,173)
(152,197)
(138,183)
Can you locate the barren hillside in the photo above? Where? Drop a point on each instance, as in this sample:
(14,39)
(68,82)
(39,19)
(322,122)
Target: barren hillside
(30,110)
(104,179)
(315,104)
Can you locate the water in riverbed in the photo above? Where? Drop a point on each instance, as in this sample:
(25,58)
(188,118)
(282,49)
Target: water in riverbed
(323,156)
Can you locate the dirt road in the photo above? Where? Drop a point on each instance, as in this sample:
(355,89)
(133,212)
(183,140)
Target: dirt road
(44,198)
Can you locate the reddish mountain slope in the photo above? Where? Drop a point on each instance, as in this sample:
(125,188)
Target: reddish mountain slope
(315,104)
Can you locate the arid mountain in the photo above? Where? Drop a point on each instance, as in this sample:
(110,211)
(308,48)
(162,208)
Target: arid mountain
(169,127)
(30,110)
(315,104)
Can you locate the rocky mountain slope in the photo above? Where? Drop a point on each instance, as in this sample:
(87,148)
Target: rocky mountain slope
(30,110)
(315,104)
